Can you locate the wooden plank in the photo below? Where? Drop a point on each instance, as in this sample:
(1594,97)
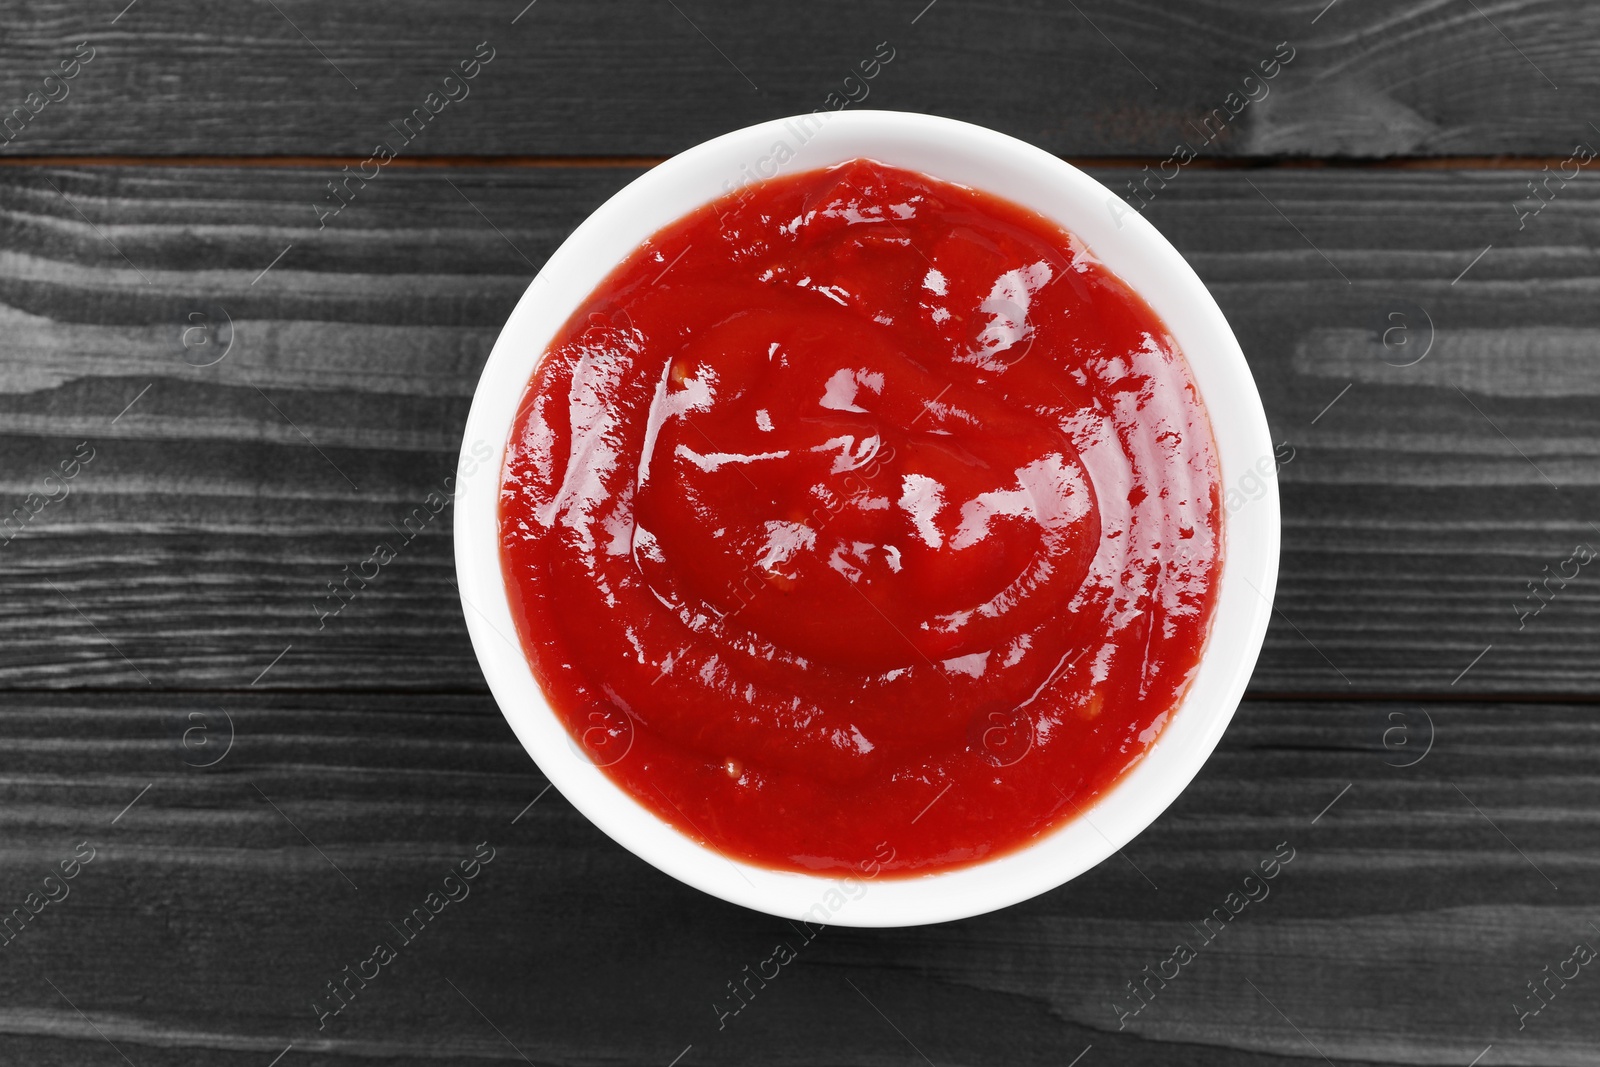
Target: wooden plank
(1368,78)
(216,907)
(192,549)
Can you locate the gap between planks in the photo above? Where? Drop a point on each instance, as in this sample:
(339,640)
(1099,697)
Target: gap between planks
(624,161)
(1264,697)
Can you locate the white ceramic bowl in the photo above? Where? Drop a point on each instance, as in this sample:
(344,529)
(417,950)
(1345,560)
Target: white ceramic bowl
(1121,239)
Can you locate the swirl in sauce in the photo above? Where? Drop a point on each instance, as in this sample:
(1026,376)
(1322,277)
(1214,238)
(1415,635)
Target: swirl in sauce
(861,507)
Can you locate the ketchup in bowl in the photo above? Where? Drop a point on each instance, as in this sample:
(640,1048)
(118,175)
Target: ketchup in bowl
(857,508)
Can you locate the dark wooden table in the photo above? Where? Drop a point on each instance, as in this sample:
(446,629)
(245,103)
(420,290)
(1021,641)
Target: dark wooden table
(258,798)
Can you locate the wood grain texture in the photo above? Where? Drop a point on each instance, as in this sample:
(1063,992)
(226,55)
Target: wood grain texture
(1370,78)
(192,550)
(266,792)
(1414,909)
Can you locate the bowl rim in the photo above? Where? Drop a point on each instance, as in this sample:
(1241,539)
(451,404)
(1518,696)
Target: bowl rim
(1117,235)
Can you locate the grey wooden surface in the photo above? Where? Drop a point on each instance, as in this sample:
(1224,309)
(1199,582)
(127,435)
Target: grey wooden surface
(263,796)
(1400,932)
(1416,508)
(1369,78)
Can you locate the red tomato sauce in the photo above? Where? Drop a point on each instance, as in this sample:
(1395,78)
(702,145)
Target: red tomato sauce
(860,507)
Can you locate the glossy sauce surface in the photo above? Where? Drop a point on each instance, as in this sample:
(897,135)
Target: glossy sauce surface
(862,509)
